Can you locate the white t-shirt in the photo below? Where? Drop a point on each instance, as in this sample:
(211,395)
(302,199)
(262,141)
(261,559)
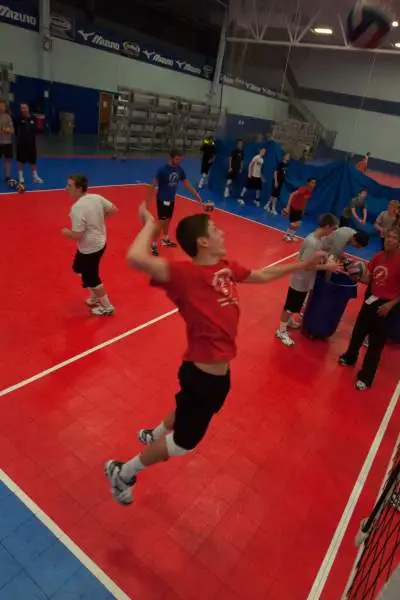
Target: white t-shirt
(255,166)
(336,242)
(87,214)
(303,281)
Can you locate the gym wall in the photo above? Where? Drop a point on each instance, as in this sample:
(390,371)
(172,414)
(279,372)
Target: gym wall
(336,85)
(78,73)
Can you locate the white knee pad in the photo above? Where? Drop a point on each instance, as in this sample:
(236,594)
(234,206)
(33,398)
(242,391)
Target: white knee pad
(173,449)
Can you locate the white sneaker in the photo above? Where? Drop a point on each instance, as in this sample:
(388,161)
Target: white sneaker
(267,208)
(274,213)
(226,193)
(91,301)
(102,311)
(121,491)
(288,238)
(257,203)
(361,386)
(240,201)
(294,324)
(284,337)
(366,342)
(37,179)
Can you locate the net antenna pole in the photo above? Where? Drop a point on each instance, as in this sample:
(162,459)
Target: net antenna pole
(342,30)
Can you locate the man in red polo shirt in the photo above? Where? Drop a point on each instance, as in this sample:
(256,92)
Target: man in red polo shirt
(381,305)
(205,290)
(295,208)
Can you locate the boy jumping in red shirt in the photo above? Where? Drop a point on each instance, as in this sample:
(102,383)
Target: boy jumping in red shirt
(295,208)
(205,292)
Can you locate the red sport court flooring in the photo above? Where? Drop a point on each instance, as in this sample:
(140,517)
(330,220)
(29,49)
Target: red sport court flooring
(268,506)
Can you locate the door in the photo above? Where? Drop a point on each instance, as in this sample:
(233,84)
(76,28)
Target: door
(105,109)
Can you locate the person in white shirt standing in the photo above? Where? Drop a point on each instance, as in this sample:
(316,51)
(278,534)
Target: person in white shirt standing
(88,229)
(254,178)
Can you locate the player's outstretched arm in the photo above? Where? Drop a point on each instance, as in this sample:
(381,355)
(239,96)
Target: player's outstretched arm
(191,189)
(268,274)
(150,191)
(139,254)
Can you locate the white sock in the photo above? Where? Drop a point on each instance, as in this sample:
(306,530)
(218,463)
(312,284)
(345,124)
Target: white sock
(258,196)
(35,174)
(283,326)
(21,176)
(159,432)
(104,301)
(132,468)
(244,190)
(273,203)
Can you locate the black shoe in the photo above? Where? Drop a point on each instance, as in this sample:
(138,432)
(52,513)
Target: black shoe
(154,251)
(345,362)
(168,244)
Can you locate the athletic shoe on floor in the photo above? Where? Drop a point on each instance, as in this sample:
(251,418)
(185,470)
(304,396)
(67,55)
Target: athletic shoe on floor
(145,436)
(284,337)
(102,311)
(168,244)
(293,324)
(37,179)
(121,490)
(361,386)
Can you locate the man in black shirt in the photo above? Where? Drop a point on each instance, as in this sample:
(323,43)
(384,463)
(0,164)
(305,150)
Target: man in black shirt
(235,166)
(279,180)
(26,144)
(208,151)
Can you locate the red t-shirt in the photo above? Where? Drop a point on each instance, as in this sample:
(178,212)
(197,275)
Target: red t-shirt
(300,198)
(207,298)
(385,273)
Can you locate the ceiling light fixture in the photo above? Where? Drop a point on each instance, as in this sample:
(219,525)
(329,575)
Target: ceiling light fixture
(397,44)
(322,30)
(395,24)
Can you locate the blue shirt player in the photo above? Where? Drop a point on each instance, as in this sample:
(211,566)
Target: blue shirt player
(166,181)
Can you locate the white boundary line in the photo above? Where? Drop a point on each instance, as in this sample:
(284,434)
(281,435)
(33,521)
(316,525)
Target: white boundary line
(121,336)
(330,556)
(62,537)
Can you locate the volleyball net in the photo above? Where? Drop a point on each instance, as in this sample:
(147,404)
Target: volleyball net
(376,572)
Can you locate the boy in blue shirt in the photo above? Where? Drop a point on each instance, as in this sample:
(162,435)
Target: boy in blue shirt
(166,181)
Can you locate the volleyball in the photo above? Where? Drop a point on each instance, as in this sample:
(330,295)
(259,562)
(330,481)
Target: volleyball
(355,269)
(368,24)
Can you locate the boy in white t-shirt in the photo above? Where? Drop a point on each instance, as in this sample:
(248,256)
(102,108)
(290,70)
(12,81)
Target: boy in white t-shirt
(302,282)
(254,177)
(88,229)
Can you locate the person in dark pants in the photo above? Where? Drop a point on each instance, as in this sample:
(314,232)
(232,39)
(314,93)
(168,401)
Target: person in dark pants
(208,151)
(279,180)
(235,166)
(381,305)
(26,144)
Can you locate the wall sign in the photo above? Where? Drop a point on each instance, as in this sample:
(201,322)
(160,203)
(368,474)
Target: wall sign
(16,13)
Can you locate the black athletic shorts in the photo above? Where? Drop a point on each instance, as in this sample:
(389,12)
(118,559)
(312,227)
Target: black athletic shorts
(201,396)
(6,151)
(295,301)
(254,183)
(88,267)
(295,215)
(165,210)
(27,155)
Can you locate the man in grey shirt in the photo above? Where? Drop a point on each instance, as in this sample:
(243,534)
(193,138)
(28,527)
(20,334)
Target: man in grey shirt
(302,282)
(352,210)
(387,219)
(6,133)
(336,243)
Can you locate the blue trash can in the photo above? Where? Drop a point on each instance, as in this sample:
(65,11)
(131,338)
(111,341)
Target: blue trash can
(327,303)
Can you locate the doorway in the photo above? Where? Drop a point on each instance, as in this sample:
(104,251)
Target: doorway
(105,109)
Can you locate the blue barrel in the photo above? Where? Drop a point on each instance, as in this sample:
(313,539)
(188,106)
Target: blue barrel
(327,303)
